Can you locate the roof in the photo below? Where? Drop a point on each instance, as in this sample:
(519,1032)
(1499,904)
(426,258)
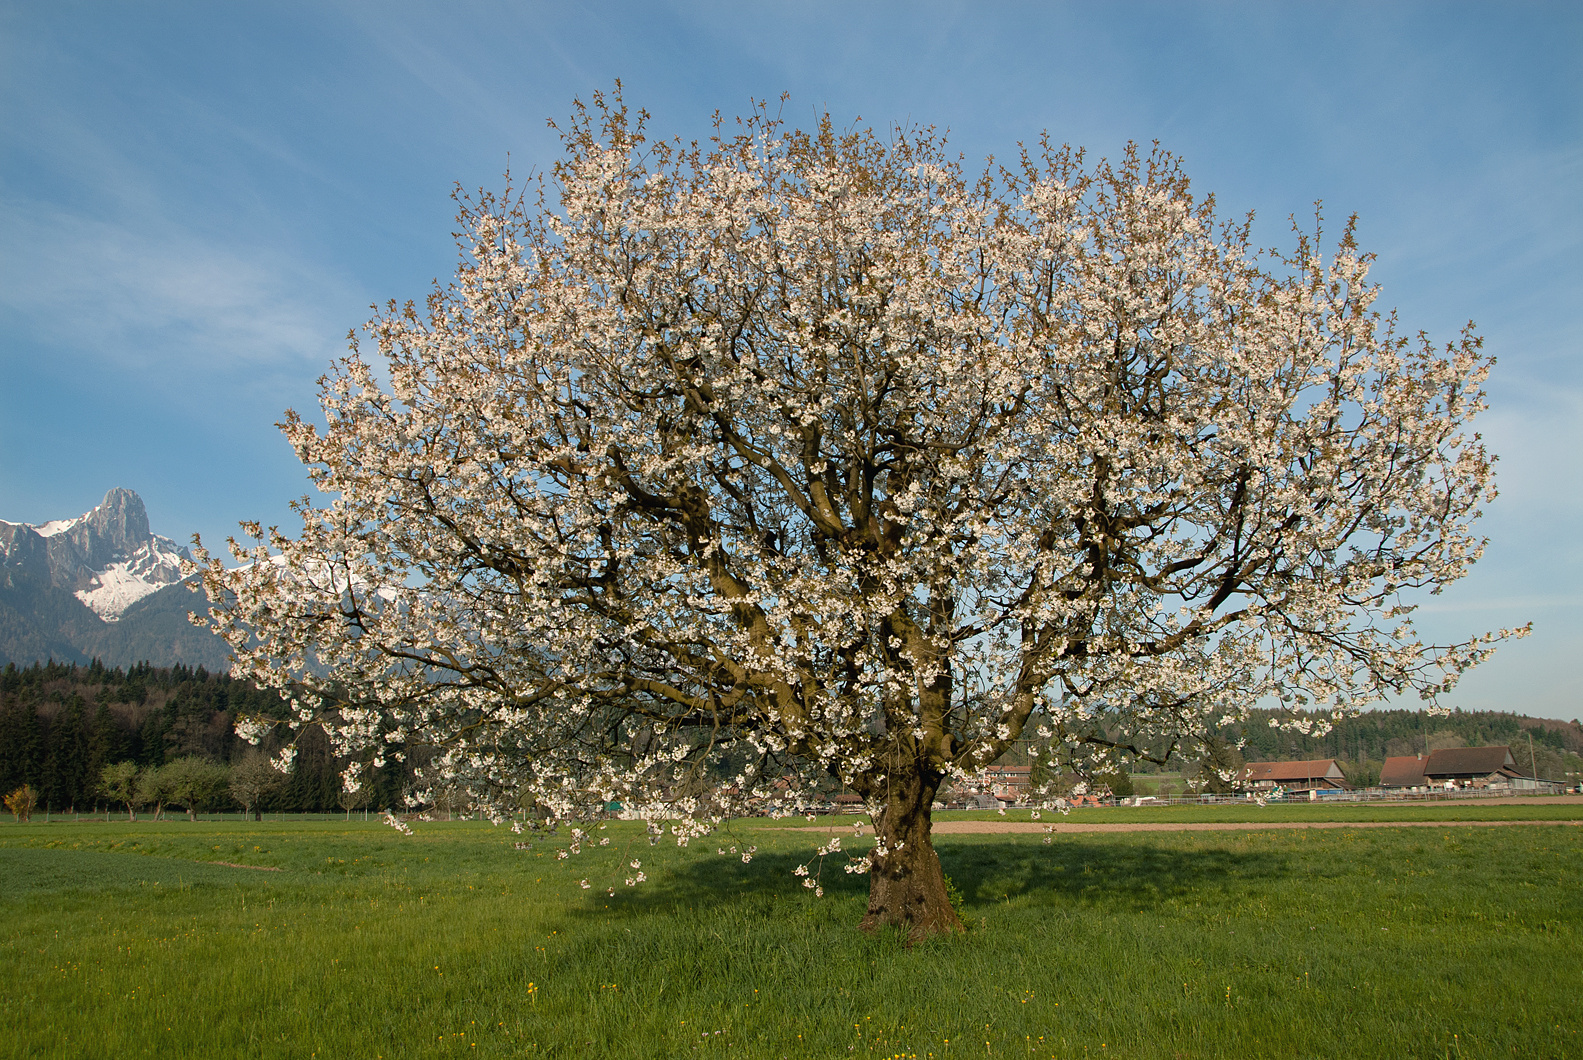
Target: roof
(1406,771)
(1279,772)
(1468,761)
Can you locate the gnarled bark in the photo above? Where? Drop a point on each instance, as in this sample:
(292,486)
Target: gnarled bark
(907,885)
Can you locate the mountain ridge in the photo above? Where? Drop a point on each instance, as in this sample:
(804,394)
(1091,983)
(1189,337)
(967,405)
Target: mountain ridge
(107,557)
(100,586)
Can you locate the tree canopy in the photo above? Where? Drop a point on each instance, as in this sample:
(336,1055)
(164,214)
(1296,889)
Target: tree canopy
(719,469)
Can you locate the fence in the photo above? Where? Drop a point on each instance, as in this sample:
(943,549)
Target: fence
(177,814)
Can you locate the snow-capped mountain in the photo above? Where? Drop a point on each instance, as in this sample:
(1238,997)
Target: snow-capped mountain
(100,586)
(106,557)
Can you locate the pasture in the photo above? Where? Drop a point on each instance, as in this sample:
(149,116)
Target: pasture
(351,940)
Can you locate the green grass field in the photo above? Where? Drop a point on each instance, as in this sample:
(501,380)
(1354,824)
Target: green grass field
(1275,813)
(130,940)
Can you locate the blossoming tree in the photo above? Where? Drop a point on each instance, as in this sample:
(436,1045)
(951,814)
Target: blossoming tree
(808,453)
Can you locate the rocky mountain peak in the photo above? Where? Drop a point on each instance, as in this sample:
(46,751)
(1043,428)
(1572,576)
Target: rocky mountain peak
(120,520)
(107,557)
(112,531)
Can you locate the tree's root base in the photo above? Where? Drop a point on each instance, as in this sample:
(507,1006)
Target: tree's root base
(914,930)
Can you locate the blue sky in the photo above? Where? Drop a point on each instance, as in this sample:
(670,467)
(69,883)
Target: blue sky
(197,201)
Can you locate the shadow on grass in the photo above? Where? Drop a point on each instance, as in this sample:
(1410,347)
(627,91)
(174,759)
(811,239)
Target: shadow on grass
(1116,877)
(1126,877)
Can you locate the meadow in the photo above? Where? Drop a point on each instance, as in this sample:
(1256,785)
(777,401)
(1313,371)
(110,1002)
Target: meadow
(344,939)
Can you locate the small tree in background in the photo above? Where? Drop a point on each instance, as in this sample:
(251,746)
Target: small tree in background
(153,789)
(254,778)
(351,799)
(1119,782)
(1220,767)
(1361,772)
(22,802)
(119,783)
(1552,764)
(196,783)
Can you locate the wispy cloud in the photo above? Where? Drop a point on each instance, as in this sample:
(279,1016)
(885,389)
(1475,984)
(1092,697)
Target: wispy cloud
(1505,604)
(145,293)
(1532,525)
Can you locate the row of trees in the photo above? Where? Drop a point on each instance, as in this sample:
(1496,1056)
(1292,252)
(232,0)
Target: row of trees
(65,728)
(1380,733)
(193,784)
(62,726)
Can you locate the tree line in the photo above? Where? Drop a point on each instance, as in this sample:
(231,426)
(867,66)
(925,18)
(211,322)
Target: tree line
(1360,744)
(166,736)
(86,737)
(1377,734)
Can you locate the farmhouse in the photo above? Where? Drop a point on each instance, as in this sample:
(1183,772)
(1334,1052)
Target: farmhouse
(1404,773)
(1009,783)
(993,788)
(1479,767)
(1319,774)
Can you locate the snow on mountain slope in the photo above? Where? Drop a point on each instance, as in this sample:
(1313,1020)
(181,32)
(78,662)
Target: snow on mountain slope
(57,526)
(126,581)
(106,557)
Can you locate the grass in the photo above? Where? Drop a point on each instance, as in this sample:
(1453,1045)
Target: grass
(130,939)
(1294,812)
(1252,813)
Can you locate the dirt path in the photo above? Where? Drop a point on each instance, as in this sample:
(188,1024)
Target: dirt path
(979,827)
(1059,825)
(234,865)
(1504,800)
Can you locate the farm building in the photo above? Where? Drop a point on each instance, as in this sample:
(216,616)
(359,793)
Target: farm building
(1319,774)
(1009,783)
(1404,773)
(1479,767)
(994,787)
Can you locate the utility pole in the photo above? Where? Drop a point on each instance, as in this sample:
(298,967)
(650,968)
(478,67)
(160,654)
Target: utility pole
(1532,764)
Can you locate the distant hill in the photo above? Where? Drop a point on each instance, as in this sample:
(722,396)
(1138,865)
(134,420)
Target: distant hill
(100,586)
(1377,734)
(1544,747)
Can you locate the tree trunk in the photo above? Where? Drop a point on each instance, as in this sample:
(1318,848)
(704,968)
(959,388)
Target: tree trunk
(907,885)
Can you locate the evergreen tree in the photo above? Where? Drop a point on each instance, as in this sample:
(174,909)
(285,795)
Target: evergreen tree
(66,778)
(106,742)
